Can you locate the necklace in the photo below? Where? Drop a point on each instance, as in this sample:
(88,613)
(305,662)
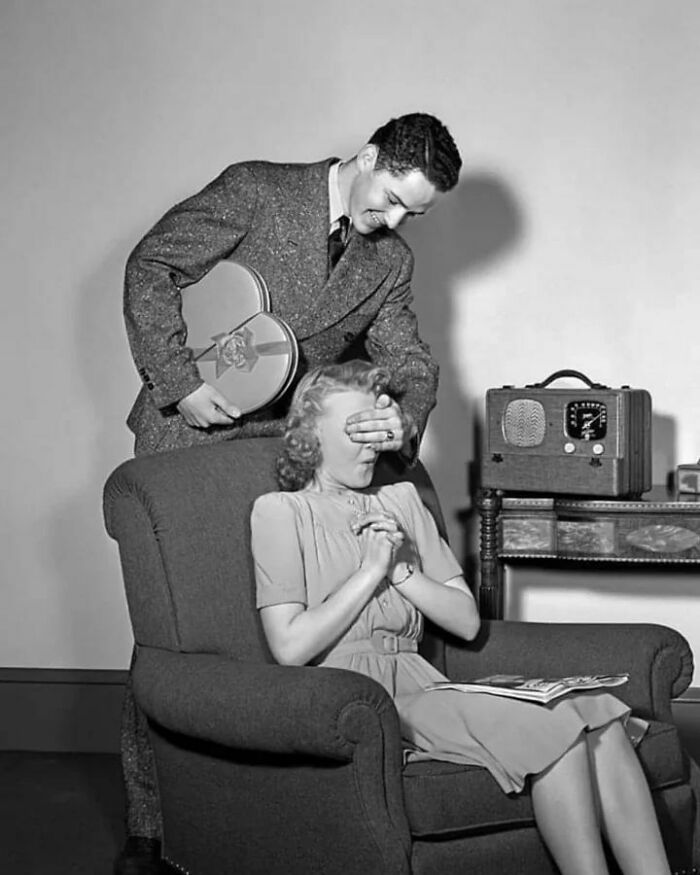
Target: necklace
(356,502)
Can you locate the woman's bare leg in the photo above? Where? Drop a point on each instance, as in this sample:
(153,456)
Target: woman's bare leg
(627,811)
(564,801)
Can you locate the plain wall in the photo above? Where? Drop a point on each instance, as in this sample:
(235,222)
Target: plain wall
(570,242)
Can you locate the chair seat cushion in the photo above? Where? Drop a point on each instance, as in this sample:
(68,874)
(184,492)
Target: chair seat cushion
(445,798)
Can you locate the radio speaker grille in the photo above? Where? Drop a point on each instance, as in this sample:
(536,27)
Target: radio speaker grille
(524,423)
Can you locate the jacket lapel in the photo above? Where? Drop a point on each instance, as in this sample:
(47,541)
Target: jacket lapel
(314,301)
(356,278)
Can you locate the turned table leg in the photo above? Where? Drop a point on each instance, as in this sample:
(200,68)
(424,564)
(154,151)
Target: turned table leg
(491,568)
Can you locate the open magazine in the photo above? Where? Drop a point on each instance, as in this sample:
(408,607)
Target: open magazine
(540,690)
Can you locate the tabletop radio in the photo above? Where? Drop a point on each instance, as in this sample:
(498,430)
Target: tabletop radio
(590,441)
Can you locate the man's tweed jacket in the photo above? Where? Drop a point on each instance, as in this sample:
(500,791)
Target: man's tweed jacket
(275,219)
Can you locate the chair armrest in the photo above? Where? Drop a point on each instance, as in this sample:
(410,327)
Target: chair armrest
(657,658)
(281,709)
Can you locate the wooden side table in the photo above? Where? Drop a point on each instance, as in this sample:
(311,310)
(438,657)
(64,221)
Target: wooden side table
(658,528)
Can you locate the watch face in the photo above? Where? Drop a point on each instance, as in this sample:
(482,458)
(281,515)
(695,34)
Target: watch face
(586,420)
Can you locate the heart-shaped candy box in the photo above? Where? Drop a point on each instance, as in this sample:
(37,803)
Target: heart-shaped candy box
(245,351)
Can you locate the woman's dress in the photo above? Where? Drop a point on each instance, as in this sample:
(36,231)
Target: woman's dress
(304,549)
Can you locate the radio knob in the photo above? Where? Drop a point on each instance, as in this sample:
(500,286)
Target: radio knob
(569,447)
(598,449)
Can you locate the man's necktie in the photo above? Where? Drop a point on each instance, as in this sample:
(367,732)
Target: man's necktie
(336,242)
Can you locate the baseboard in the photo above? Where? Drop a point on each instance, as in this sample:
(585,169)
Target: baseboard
(62,710)
(79,711)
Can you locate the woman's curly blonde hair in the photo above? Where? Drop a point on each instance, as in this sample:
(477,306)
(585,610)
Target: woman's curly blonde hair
(301,451)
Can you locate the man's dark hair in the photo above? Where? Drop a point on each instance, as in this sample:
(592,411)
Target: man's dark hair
(418,142)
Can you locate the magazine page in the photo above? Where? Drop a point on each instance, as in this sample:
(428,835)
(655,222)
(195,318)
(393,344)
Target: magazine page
(541,690)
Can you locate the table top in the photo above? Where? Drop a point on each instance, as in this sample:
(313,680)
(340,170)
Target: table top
(658,500)
(659,527)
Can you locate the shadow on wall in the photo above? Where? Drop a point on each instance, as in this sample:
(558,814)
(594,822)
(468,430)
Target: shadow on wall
(472,229)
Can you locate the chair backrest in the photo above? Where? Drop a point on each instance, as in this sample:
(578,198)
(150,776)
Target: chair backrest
(182,522)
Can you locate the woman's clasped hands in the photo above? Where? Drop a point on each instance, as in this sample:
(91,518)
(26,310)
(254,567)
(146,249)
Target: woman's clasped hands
(382,543)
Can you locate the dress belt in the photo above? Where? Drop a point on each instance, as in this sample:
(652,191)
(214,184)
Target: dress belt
(380,642)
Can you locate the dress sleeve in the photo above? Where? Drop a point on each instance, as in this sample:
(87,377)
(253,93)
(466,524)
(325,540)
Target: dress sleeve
(277,551)
(436,558)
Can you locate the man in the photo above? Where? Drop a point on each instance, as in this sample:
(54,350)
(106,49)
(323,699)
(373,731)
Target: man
(277,219)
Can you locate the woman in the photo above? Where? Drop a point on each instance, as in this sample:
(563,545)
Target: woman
(345,574)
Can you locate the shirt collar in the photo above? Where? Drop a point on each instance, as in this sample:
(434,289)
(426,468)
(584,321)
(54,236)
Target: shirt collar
(335,201)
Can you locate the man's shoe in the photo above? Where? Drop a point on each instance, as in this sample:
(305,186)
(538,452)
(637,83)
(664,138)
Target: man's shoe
(139,856)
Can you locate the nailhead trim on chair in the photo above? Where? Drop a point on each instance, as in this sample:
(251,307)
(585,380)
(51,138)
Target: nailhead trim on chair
(184,871)
(693,871)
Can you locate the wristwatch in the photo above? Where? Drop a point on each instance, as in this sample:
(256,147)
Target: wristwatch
(410,568)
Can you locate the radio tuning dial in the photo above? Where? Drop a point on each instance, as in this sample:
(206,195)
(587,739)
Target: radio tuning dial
(586,420)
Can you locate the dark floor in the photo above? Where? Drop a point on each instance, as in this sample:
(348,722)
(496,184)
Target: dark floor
(61,814)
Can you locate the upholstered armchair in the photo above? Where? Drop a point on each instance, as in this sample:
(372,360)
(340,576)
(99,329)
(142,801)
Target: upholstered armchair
(276,769)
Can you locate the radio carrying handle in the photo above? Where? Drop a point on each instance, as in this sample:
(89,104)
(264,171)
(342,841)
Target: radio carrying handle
(566,373)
